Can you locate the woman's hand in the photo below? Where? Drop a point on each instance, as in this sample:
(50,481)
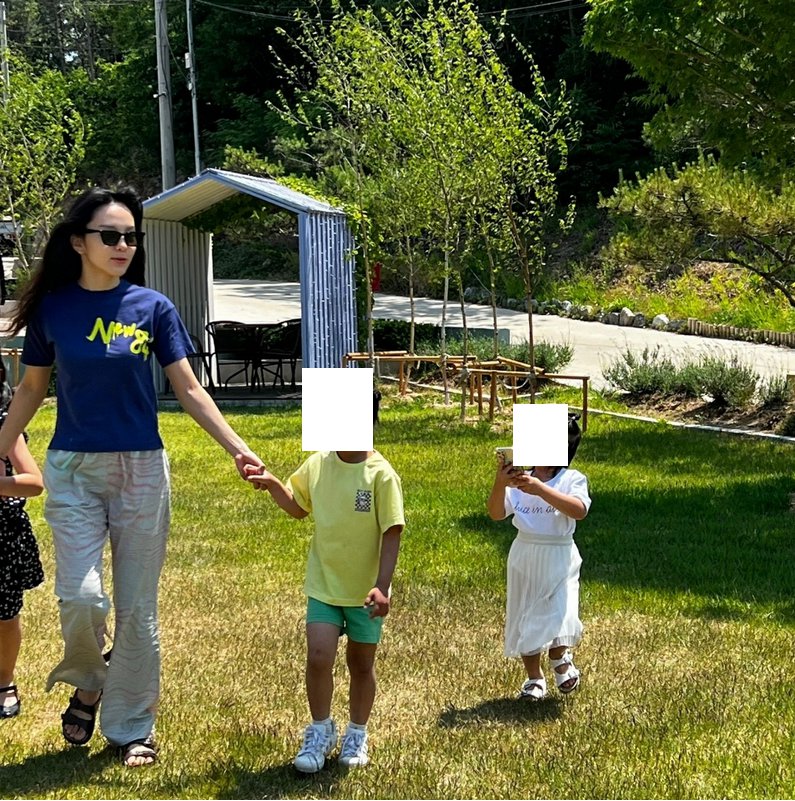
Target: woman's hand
(246,459)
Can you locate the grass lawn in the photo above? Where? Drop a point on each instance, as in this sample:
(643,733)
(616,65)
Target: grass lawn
(688,601)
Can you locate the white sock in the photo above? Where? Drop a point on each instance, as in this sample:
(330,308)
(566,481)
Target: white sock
(356,726)
(325,722)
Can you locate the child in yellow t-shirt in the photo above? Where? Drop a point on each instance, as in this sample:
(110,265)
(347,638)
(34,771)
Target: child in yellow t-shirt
(357,503)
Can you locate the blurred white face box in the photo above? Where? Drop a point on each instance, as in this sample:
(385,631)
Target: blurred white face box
(541,434)
(337,409)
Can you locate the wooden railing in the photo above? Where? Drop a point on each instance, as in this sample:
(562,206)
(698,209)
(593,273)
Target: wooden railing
(512,372)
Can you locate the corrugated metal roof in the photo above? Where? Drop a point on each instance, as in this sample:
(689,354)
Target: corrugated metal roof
(213,186)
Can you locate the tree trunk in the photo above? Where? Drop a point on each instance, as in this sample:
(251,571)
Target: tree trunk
(464,371)
(366,258)
(412,305)
(530,342)
(443,343)
(495,339)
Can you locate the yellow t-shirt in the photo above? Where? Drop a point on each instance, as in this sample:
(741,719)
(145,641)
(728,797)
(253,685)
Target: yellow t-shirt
(353,505)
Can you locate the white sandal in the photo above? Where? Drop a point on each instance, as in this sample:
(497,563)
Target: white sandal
(534,689)
(571,672)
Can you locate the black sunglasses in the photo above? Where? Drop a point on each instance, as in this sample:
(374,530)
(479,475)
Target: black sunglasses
(111,238)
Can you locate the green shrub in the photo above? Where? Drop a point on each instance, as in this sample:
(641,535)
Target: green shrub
(774,392)
(643,374)
(394,335)
(787,426)
(688,381)
(549,356)
(730,383)
(254,260)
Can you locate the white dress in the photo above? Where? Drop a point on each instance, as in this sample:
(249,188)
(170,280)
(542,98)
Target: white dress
(543,570)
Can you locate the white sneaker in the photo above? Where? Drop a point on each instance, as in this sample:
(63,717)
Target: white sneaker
(319,742)
(353,751)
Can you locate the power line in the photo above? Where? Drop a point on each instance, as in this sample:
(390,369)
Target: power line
(571,7)
(534,7)
(236,10)
(537,10)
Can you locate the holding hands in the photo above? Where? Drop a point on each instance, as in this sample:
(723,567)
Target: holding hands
(246,460)
(257,475)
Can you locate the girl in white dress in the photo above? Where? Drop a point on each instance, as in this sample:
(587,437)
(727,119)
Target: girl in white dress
(543,566)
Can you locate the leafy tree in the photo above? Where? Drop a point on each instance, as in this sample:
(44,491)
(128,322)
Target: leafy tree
(69,35)
(42,142)
(708,212)
(419,112)
(720,72)
(533,149)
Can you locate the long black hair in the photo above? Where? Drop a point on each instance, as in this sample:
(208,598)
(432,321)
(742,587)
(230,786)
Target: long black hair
(61,264)
(574,437)
(5,387)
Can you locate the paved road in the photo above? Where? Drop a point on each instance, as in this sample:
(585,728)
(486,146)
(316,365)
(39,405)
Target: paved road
(595,345)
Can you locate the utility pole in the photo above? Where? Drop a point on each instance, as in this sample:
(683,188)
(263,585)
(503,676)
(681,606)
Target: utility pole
(4,53)
(164,96)
(190,63)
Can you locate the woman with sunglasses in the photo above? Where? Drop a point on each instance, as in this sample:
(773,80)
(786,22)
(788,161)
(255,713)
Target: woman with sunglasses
(87,313)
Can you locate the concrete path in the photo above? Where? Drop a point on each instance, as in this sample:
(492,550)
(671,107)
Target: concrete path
(595,344)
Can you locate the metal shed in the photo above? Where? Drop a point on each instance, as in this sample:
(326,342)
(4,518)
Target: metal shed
(180,260)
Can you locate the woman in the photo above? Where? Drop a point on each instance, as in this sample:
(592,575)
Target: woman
(87,312)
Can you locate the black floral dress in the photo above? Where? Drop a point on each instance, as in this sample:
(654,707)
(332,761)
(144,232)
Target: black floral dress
(20,565)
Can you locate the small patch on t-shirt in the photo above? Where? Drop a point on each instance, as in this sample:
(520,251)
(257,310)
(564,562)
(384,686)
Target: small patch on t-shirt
(363,500)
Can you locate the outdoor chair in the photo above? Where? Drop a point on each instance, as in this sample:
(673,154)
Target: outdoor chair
(204,359)
(234,344)
(281,344)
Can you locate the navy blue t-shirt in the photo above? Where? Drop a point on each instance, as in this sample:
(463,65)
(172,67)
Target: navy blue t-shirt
(101,344)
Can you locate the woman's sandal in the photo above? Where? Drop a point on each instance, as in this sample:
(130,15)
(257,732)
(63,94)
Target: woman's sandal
(68,718)
(534,689)
(137,749)
(14,709)
(570,677)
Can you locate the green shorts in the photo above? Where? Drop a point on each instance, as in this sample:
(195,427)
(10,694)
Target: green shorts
(355,621)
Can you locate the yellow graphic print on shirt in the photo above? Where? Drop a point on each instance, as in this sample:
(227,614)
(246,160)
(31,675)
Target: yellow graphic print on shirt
(114,329)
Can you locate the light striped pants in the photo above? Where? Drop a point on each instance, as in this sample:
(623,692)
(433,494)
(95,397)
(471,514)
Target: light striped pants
(125,497)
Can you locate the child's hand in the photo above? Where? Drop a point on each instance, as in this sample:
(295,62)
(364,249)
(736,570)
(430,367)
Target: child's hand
(377,603)
(505,474)
(526,483)
(259,477)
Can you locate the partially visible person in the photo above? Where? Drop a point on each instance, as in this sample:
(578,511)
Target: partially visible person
(543,566)
(356,500)
(87,313)
(20,566)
